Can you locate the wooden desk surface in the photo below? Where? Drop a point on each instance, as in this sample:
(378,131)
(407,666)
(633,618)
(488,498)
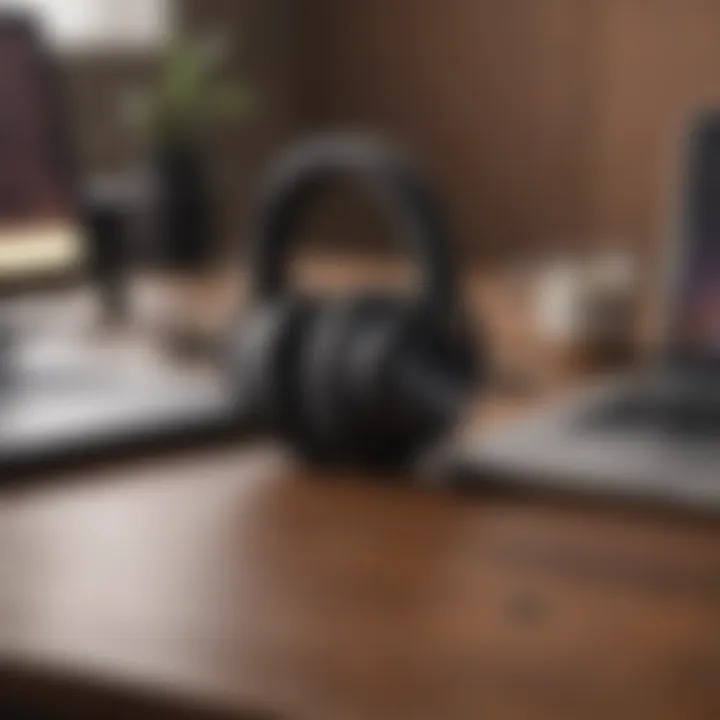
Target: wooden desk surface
(231,579)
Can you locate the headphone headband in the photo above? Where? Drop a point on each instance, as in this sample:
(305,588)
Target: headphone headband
(297,177)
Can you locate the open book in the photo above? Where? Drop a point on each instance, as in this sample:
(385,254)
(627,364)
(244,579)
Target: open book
(37,250)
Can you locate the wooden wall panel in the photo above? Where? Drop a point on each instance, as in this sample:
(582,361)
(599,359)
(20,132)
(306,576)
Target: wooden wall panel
(547,121)
(492,94)
(659,61)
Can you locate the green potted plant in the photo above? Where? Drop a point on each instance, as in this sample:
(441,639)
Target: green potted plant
(187,99)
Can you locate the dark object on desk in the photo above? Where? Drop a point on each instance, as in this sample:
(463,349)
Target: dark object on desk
(370,379)
(108,215)
(185,232)
(652,436)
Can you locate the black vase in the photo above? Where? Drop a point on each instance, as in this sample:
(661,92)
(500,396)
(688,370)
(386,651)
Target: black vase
(185,233)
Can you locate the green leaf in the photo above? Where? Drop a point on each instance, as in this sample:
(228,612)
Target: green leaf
(188,97)
(230,102)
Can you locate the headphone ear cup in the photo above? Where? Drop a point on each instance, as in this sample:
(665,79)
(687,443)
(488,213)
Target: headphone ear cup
(379,431)
(324,382)
(426,371)
(339,373)
(264,362)
(407,377)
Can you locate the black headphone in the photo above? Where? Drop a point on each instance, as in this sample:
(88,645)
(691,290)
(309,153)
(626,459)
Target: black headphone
(370,378)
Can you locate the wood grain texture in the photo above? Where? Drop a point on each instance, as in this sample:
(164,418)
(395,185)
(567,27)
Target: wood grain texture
(491,95)
(555,123)
(236,580)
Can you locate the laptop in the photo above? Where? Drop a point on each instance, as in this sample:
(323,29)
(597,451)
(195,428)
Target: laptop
(655,434)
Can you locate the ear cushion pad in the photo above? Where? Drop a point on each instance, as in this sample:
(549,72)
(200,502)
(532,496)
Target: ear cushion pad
(322,377)
(427,371)
(353,387)
(384,435)
(265,361)
(336,361)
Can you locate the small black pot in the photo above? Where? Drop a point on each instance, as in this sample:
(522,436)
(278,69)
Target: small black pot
(185,231)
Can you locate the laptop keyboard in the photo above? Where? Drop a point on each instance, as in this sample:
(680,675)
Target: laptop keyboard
(691,411)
